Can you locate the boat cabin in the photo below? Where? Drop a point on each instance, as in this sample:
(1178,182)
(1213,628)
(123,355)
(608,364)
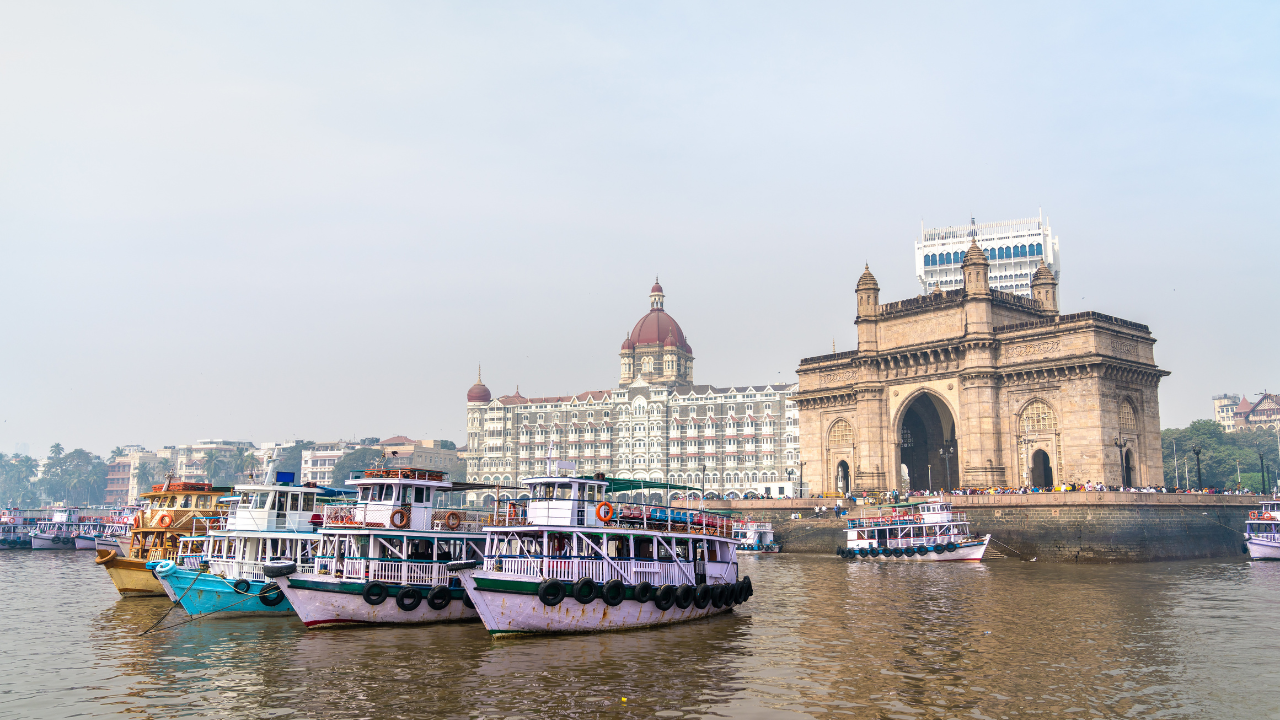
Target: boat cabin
(400,498)
(272,508)
(565,501)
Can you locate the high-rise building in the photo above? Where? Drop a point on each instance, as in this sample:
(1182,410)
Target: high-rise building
(1015,249)
(656,425)
(1224,410)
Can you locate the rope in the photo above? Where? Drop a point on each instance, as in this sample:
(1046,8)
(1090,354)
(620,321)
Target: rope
(201,616)
(175,603)
(1006,547)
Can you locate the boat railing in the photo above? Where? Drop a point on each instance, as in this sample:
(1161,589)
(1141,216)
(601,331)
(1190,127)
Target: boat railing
(362,515)
(570,569)
(402,572)
(511,513)
(873,521)
(248,569)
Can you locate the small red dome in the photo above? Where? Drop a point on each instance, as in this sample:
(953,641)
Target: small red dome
(478,393)
(671,341)
(628,345)
(656,287)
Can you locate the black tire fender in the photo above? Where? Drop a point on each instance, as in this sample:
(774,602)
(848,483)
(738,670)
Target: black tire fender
(466,601)
(584,591)
(643,592)
(898,552)
(702,596)
(241,586)
(439,597)
(950,547)
(375,593)
(614,592)
(279,568)
(551,592)
(684,596)
(717,596)
(665,597)
(271,595)
(409,598)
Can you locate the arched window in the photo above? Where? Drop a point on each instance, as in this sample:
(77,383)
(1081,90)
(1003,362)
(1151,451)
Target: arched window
(1039,249)
(840,434)
(1128,419)
(999,253)
(948,262)
(1037,416)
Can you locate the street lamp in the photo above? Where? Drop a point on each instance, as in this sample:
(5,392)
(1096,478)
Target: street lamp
(946,453)
(1195,450)
(800,489)
(1262,467)
(1124,477)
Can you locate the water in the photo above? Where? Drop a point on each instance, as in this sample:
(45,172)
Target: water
(821,638)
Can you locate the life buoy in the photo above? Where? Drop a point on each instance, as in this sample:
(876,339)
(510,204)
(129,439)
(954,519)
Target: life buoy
(604,511)
(165,520)
(1268,516)
(453,520)
(1253,514)
(137,520)
(271,595)
(105,558)
(399,518)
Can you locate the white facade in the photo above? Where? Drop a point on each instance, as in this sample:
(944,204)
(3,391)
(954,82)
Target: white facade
(1224,410)
(318,462)
(1014,247)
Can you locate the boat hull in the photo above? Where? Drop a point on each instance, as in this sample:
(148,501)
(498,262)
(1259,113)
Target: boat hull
(322,600)
(42,541)
(1263,549)
(203,594)
(509,604)
(110,544)
(86,542)
(16,542)
(966,552)
(131,577)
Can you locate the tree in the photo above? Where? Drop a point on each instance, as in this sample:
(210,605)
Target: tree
(290,459)
(77,478)
(143,475)
(55,451)
(117,453)
(245,462)
(354,461)
(1219,453)
(214,467)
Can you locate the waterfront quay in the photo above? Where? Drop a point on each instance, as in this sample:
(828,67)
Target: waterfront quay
(1075,527)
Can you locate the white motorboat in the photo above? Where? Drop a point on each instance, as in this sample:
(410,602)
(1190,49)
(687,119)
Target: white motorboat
(57,534)
(755,536)
(1262,531)
(930,531)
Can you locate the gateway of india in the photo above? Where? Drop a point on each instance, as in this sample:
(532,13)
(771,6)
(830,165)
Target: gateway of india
(974,387)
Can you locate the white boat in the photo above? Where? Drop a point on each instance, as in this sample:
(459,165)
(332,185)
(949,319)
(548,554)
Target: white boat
(57,534)
(568,560)
(16,526)
(930,531)
(1262,532)
(755,537)
(383,557)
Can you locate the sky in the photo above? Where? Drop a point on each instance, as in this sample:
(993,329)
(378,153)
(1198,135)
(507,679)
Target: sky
(315,220)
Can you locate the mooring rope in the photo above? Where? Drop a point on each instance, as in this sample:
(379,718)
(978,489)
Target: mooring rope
(175,602)
(201,616)
(1015,552)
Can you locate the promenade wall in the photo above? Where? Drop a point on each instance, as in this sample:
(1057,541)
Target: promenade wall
(1093,527)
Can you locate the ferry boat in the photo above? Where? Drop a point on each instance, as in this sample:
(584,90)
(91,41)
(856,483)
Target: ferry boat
(169,512)
(57,534)
(1262,531)
(382,558)
(568,560)
(16,527)
(930,531)
(756,537)
(115,529)
(220,570)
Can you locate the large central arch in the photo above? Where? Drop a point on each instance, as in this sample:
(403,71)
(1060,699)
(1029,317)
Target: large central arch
(926,426)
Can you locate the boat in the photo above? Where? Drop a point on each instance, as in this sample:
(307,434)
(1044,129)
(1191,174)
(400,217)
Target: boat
(220,570)
(1262,531)
(382,557)
(929,531)
(58,533)
(169,512)
(16,527)
(756,537)
(567,560)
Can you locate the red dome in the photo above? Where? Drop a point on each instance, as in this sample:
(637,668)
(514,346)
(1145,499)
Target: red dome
(628,345)
(478,393)
(655,327)
(656,287)
(671,341)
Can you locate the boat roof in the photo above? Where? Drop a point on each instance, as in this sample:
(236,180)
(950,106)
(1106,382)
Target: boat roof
(278,486)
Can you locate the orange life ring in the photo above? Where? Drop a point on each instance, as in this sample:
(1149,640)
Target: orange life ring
(1268,516)
(1253,514)
(399,518)
(453,520)
(137,519)
(165,520)
(604,511)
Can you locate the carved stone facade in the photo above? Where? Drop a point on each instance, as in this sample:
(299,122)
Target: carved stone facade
(976,387)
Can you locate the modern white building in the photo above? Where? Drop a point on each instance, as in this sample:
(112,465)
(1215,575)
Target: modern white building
(1014,247)
(1224,410)
(656,425)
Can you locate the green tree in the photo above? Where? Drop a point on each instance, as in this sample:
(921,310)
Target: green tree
(245,462)
(214,467)
(1220,451)
(163,466)
(117,453)
(55,451)
(354,461)
(290,459)
(76,478)
(144,475)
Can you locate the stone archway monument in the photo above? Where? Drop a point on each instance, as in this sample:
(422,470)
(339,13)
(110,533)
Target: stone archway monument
(995,381)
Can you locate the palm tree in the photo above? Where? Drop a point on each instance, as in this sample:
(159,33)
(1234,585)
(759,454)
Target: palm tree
(143,475)
(163,466)
(118,452)
(55,451)
(213,466)
(246,462)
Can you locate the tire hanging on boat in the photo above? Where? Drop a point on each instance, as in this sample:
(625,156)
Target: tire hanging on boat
(909,552)
(746,580)
(1244,548)
(898,552)
(717,596)
(271,595)
(551,592)
(584,591)
(684,596)
(409,598)
(439,597)
(665,597)
(375,593)
(466,601)
(613,592)
(863,552)
(279,568)
(643,592)
(702,596)
(950,547)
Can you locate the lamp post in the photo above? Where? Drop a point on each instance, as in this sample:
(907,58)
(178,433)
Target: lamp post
(1195,450)
(1262,466)
(801,488)
(946,453)
(1120,445)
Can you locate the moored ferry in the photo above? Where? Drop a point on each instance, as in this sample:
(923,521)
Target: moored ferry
(16,526)
(1262,532)
(220,570)
(930,531)
(756,537)
(568,560)
(383,557)
(57,534)
(169,512)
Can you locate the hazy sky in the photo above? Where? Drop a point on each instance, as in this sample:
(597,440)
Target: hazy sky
(312,220)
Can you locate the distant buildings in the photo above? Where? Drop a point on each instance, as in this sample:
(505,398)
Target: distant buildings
(319,461)
(1224,410)
(1262,413)
(123,477)
(656,425)
(1014,248)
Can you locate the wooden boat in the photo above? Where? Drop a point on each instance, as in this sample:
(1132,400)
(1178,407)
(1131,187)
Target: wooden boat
(382,558)
(169,512)
(930,531)
(568,560)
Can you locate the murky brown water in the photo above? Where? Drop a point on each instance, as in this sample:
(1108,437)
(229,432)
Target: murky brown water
(821,638)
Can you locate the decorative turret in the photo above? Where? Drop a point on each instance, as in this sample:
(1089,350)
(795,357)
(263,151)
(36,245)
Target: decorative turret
(975,268)
(1044,288)
(478,392)
(655,295)
(868,292)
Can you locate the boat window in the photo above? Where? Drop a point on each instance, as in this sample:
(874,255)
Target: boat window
(419,494)
(388,493)
(293,501)
(593,493)
(260,500)
(202,501)
(282,502)
(364,493)
(308,502)
(644,548)
(542,492)
(186,502)
(564,491)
